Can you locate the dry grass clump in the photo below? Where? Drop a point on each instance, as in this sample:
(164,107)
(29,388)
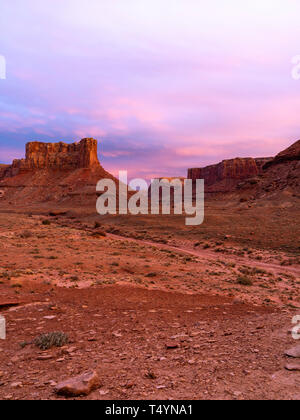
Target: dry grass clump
(54,339)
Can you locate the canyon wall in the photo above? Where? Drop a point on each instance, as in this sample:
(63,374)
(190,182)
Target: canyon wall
(290,154)
(226,174)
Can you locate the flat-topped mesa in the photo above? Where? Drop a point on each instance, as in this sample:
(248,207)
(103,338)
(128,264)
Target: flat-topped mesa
(57,156)
(62,155)
(228,172)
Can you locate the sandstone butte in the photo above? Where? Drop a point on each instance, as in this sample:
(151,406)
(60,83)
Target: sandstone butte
(68,174)
(60,172)
(55,156)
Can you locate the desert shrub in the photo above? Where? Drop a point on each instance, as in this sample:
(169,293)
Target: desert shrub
(151,275)
(244,281)
(150,374)
(46,222)
(54,339)
(97,225)
(206,246)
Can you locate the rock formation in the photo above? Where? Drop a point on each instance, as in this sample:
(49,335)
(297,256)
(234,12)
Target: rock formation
(280,175)
(56,172)
(3,169)
(290,154)
(224,176)
(55,156)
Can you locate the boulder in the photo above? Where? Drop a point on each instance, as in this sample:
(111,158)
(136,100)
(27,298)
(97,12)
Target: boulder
(79,385)
(293,352)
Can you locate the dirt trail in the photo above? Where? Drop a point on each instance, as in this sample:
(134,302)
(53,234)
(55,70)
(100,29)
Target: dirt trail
(212,255)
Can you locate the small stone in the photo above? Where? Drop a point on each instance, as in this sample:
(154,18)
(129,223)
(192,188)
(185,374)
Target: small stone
(69,350)
(79,385)
(171,346)
(45,357)
(16,385)
(103,392)
(237,394)
(293,352)
(293,367)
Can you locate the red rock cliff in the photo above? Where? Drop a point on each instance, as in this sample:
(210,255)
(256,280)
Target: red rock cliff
(56,156)
(225,174)
(292,153)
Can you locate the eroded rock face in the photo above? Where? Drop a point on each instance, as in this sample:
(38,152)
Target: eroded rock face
(54,172)
(3,169)
(56,156)
(228,172)
(292,153)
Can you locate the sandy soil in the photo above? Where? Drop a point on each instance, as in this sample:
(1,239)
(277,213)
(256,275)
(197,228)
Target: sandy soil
(161,311)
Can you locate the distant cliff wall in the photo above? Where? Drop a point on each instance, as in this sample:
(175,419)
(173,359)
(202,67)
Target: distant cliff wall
(227,173)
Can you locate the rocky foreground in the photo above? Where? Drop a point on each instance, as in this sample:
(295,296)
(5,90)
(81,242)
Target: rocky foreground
(142,319)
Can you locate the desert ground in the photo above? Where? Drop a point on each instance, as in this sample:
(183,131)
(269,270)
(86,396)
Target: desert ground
(159,309)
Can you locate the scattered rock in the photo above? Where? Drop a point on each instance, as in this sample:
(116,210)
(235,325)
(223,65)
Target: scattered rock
(57,213)
(293,352)
(293,367)
(79,385)
(45,357)
(170,346)
(16,385)
(102,392)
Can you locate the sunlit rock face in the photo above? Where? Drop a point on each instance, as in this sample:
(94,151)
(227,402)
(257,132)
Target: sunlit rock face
(58,172)
(226,174)
(56,156)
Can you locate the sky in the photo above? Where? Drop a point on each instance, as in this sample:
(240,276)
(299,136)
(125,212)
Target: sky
(162,85)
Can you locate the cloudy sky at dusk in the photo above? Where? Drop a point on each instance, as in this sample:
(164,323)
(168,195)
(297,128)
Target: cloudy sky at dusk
(163,84)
